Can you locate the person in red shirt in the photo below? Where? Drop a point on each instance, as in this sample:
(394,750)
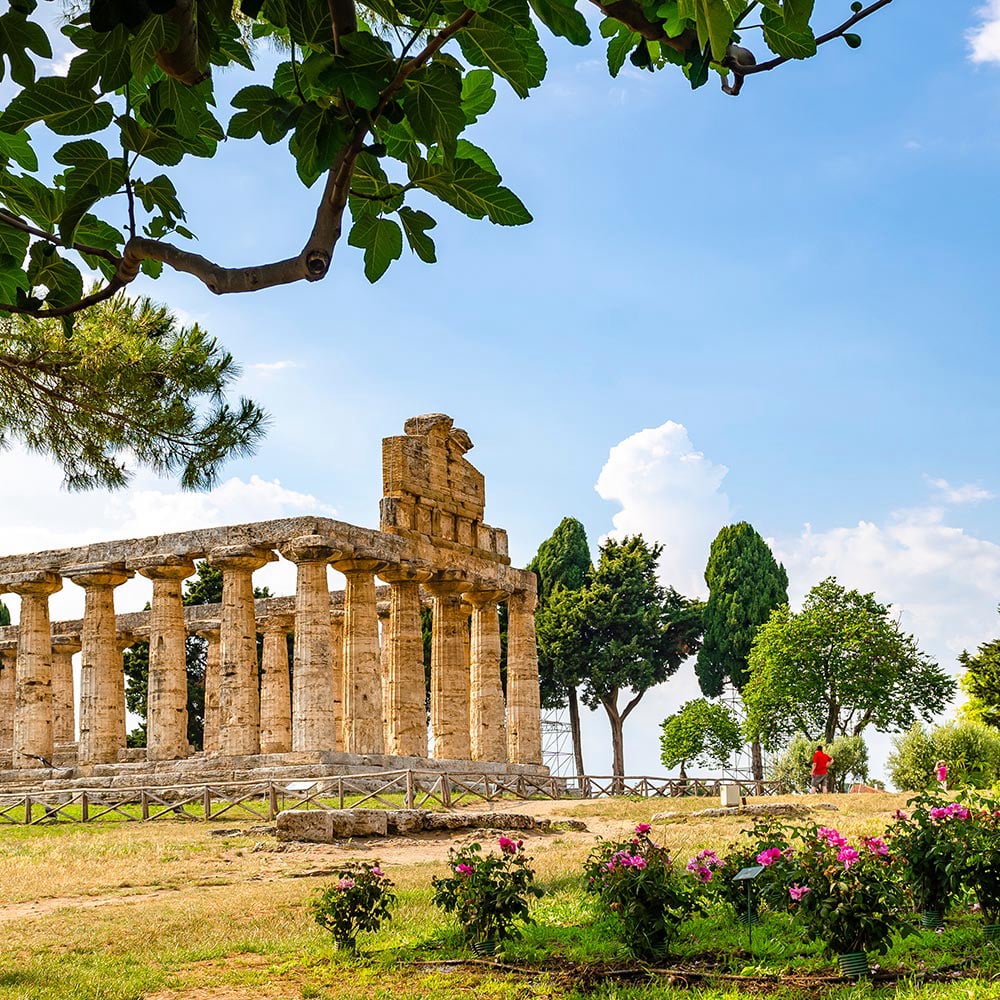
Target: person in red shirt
(821,761)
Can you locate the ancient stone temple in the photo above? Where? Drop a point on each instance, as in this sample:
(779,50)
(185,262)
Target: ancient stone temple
(356,692)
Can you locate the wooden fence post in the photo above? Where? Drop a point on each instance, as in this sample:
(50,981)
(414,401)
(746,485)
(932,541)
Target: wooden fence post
(445,791)
(27,810)
(410,797)
(272,800)
(144,800)
(84,808)
(207,802)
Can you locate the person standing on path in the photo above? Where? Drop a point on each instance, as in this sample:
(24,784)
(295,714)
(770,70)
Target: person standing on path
(820,764)
(941,773)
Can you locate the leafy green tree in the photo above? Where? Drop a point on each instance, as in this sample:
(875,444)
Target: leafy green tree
(4,614)
(632,632)
(701,732)
(839,665)
(745,585)
(562,562)
(793,768)
(131,381)
(981,681)
(911,763)
(205,587)
(375,101)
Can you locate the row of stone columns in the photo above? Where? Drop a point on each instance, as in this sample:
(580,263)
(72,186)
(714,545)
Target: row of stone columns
(346,692)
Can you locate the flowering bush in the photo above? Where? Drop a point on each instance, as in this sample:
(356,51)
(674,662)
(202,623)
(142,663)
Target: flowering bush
(978,852)
(359,900)
(849,896)
(929,841)
(488,893)
(636,880)
(765,843)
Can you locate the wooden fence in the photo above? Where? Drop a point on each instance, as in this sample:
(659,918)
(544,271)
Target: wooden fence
(408,789)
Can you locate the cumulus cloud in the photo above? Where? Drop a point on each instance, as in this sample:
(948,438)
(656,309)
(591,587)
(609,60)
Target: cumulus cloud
(671,493)
(967,493)
(984,38)
(38,514)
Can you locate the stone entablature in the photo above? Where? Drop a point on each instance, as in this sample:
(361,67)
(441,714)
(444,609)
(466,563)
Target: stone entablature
(358,683)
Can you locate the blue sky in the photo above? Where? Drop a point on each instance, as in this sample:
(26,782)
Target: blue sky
(792,294)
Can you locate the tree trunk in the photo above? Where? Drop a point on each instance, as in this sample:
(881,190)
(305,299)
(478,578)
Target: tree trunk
(574,725)
(617,746)
(757,764)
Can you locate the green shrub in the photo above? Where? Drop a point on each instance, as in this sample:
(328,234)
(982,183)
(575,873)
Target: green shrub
(970,749)
(359,900)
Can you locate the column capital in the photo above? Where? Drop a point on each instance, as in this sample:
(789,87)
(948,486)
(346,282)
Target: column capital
(66,644)
(310,548)
(125,639)
(98,574)
(164,567)
(204,629)
(522,600)
(246,557)
(446,583)
(357,564)
(479,598)
(37,582)
(277,623)
(412,571)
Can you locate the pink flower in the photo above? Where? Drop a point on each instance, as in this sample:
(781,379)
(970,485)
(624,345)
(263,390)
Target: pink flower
(769,856)
(377,872)
(848,855)
(901,815)
(642,828)
(798,891)
(507,845)
(463,869)
(345,883)
(831,837)
(876,845)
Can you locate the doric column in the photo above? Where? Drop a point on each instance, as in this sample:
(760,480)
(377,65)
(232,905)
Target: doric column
(33,679)
(487,737)
(275,685)
(337,662)
(314,720)
(449,668)
(209,631)
(166,706)
(8,673)
(102,678)
(524,713)
(63,702)
(362,685)
(239,684)
(405,704)
(382,610)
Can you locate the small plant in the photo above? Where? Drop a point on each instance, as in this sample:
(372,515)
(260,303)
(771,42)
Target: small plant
(488,893)
(930,840)
(851,898)
(978,852)
(359,900)
(636,880)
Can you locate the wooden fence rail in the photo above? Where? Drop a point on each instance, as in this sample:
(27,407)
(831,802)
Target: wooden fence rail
(408,789)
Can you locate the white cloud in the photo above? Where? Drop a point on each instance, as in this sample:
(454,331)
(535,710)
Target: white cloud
(967,493)
(268,368)
(36,513)
(984,39)
(671,494)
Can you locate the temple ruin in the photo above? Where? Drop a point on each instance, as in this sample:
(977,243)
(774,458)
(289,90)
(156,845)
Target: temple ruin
(356,692)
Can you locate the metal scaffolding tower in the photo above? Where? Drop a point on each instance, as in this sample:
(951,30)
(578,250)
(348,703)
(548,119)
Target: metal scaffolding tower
(557,744)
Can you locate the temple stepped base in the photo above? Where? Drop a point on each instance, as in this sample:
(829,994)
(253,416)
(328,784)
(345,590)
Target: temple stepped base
(201,770)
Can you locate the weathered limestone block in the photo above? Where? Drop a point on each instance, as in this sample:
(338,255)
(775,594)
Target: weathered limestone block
(406,686)
(33,681)
(524,714)
(102,678)
(63,702)
(488,738)
(275,687)
(8,673)
(326,825)
(406,821)
(314,720)
(239,696)
(362,685)
(166,712)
